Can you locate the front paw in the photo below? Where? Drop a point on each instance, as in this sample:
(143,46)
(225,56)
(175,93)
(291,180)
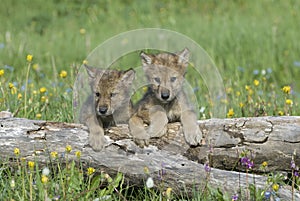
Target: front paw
(140,137)
(193,135)
(97,140)
(141,142)
(158,121)
(138,132)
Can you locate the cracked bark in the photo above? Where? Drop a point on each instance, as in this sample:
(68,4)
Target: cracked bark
(271,139)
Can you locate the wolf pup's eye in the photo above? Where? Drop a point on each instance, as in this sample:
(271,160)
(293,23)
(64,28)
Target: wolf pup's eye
(97,94)
(173,79)
(113,94)
(157,79)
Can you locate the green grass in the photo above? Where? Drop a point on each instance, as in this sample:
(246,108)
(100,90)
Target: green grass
(247,40)
(64,176)
(243,39)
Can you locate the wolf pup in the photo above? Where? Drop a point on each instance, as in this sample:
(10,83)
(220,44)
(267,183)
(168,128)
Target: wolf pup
(165,101)
(108,104)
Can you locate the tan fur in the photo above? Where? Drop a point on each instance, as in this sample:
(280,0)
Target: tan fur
(109,103)
(165,100)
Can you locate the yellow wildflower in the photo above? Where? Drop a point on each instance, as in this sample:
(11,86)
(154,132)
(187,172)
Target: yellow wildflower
(229,90)
(19,95)
(237,93)
(289,102)
(29,58)
(13,90)
(146,170)
(1,72)
(241,104)
(230,113)
(145,89)
(10,85)
(38,115)
(286,89)
(90,171)
(280,113)
(63,74)
(43,89)
(68,148)
(36,67)
(225,101)
(264,164)
(43,98)
(250,92)
(275,187)
(85,62)
(247,87)
(31,165)
(256,82)
(53,154)
(44,179)
(168,192)
(82,31)
(78,154)
(17,151)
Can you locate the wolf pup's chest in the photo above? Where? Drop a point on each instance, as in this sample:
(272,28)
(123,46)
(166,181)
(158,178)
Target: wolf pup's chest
(173,111)
(107,121)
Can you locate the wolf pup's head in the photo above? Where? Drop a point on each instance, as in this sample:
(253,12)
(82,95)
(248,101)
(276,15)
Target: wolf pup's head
(165,73)
(111,89)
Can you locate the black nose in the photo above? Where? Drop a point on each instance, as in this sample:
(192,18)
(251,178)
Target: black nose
(103,109)
(165,95)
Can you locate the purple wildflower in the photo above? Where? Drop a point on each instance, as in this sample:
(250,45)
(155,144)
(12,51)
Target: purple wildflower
(245,161)
(162,171)
(267,195)
(297,63)
(207,167)
(256,72)
(235,197)
(293,165)
(240,68)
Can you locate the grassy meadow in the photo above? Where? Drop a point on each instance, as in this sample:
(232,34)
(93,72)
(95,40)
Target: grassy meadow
(255,45)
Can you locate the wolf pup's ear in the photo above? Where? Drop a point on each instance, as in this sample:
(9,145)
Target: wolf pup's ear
(183,56)
(146,59)
(128,76)
(91,71)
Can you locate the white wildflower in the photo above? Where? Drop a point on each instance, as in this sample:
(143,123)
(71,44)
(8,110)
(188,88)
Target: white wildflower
(12,184)
(150,182)
(46,171)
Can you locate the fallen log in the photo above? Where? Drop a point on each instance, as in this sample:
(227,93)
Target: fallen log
(271,139)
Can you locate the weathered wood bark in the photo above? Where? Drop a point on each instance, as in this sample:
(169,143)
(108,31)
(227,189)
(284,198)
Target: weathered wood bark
(271,139)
